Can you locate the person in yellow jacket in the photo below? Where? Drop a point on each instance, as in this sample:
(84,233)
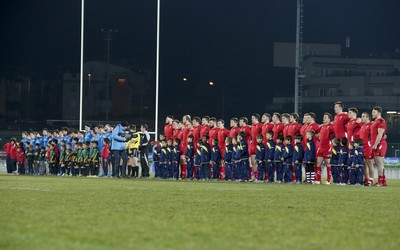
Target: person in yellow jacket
(132,147)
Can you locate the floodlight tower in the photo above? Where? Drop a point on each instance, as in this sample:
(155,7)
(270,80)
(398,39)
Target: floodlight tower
(299,72)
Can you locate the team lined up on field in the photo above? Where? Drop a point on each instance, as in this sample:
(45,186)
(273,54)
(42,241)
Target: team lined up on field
(275,150)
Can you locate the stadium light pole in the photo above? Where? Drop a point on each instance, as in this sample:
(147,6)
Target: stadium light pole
(157,67)
(81,74)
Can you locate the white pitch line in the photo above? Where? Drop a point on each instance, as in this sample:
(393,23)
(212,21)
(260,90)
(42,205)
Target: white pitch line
(29,189)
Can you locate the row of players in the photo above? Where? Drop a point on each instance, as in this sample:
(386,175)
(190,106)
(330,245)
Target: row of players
(271,158)
(344,124)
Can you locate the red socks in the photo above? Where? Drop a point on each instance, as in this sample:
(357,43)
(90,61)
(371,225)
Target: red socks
(318,170)
(293,174)
(329,173)
(384,180)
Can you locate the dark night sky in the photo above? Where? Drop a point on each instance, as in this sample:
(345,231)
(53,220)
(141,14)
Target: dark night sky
(227,41)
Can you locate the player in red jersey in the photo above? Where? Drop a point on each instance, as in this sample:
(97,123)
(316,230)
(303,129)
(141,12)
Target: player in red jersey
(186,125)
(379,145)
(196,137)
(340,120)
(176,129)
(324,151)
(294,129)
(168,127)
(278,126)
(303,130)
(234,127)
(365,135)
(256,128)
(244,127)
(222,134)
(213,133)
(312,125)
(205,127)
(185,131)
(353,125)
(285,122)
(266,126)
(196,130)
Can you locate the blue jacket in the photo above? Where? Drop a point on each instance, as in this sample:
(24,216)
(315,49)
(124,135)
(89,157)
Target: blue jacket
(88,134)
(99,139)
(352,158)
(156,153)
(335,156)
(118,142)
(228,153)
(288,154)
(197,157)
(260,152)
(298,153)
(244,150)
(43,141)
(215,154)
(270,150)
(205,153)
(163,154)
(359,156)
(235,152)
(176,154)
(344,155)
(309,156)
(279,149)
(189,154)
(24,141)
(170,150)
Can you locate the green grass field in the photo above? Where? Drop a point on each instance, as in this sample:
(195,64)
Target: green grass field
(84,213)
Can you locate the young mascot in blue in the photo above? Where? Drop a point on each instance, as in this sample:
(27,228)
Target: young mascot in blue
(228,158)
(269,156)
(260,158)
(335,160)
(343,161)
(176,155)
(279,149)
(297,160)
(244,157)
(189,155)
(215,159)
(287,159)
(205,158)
(309,157)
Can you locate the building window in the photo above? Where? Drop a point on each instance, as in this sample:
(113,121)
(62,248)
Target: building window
(396,91)
(324,72)
(332,91)
(353,91)
(377,91)
(322,92)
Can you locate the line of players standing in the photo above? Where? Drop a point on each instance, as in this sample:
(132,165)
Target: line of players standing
(347,145)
